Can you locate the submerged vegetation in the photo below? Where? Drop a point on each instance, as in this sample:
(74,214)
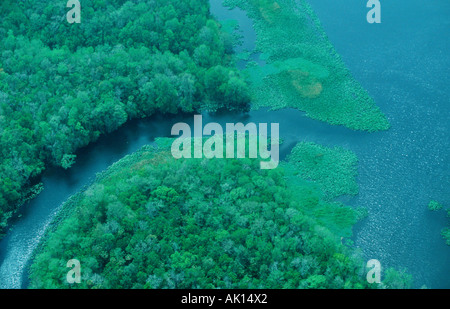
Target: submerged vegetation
(436,206)
(333,169)
(302,69)
(446,233)
(63,85)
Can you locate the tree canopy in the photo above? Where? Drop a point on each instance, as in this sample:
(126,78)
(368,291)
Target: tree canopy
(151,221)
(63,85)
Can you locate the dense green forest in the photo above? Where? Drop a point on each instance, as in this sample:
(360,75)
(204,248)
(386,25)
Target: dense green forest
(302,69)
(151,221)
(63,85)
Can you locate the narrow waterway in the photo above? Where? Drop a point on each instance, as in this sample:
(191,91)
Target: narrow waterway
(400,170)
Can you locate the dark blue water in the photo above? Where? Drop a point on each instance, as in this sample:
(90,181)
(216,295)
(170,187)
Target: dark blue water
(404,64)
(406,71)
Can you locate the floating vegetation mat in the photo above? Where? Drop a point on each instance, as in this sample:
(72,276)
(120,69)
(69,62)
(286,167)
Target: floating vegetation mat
(333,169)
(303,70)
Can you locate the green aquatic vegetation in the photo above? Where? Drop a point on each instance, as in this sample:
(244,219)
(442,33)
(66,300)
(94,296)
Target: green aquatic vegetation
(63,85)
(446,231)
(434,206)
(334,170)
(446,235)
(329,172)
(394,279)
(151,221)
(303,70)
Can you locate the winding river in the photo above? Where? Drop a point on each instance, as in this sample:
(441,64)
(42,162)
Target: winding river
(403,63)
